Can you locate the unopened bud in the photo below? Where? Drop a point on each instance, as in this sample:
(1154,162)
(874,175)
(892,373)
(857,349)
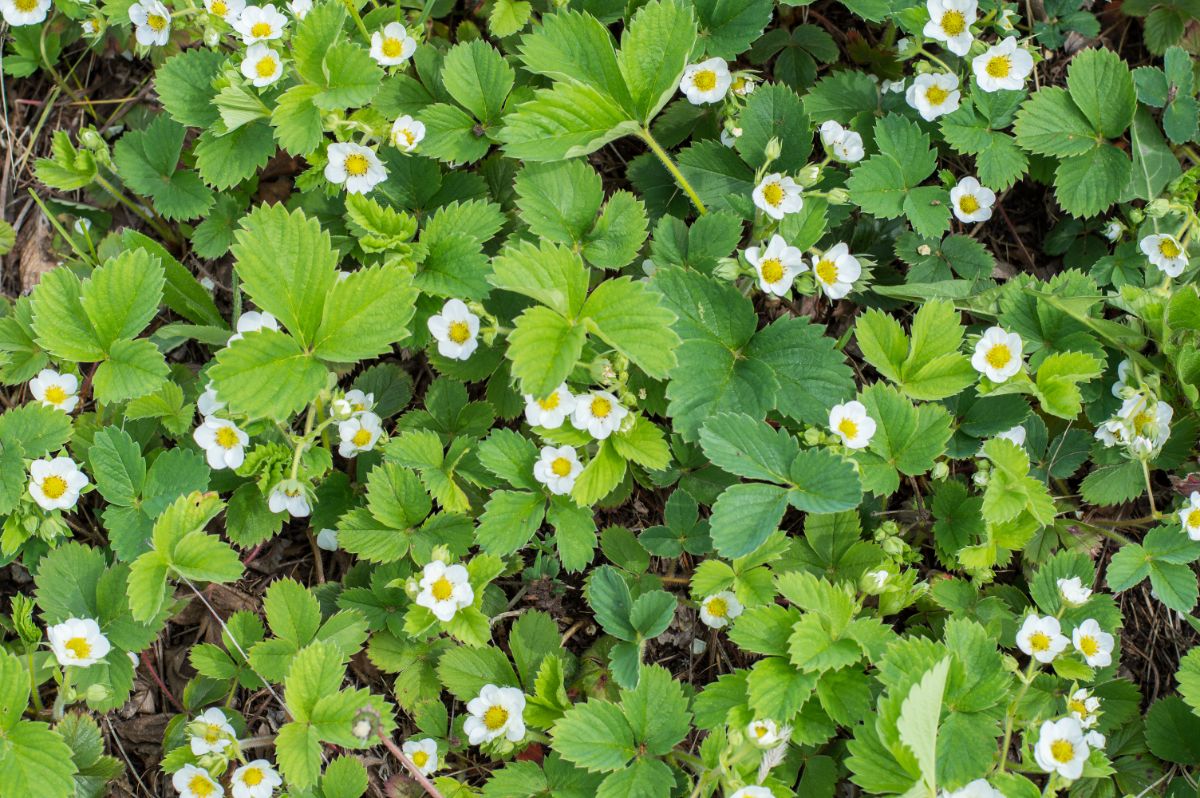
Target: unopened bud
(727,269)
(809,175)
(773,149)
(940,470)
(1158,208)
(838,196)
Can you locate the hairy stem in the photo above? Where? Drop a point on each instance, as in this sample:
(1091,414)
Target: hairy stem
(657,149)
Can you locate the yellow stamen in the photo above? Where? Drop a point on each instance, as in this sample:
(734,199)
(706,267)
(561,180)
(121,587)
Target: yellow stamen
(550,402)
(459,332)
(495,717)
(361,438)
(227,437)
(1169,248)
(201,786)
(1062,751)
(252,777)
(772,270)
(953,23)
(265,67)
(827,271)
(1193,518)
(705,80)
(998,356)
(968,204)
(1039,641)
(601,407)
(999,66)
(936,95)
(356,164)
(55,395)
(79,646)
(419,758)
(391,47)
(718,607)
(157,22)
(442,589)
(773,194)
(54,486)
(561,466)
(1089,645)
(848,428)
(260,30)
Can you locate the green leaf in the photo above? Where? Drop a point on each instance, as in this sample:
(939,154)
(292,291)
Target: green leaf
(1058,380)
(123,295)
(773,111)
(287,266)
(1088,184)
(225,161)
(181,292)
(1173,731)
(508,16)
(1101,85)
(297,122)
(510,519)
(479,78)
(36,761)
(184,86)
(617,237)
(656,711)
(748,448)
(567,121)
(117,466)
(1049,123)
(365,314)
(600,476)
(559,201)
(654,51)
(729,27)
(543,348)
(881,183)
(550,274)
(629,317)
(267,375)
(350,77)
(811,371)
(576,48)
(62,327)
(36,429)
(822,482)
(745,515)
(148,161)
(927,366)
(133,369)
(918,721)
(595,736)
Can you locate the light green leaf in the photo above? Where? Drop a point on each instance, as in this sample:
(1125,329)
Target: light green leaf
(654,51)
(631,318)
(267,375)
(365,314)
(919,718)
(543,348)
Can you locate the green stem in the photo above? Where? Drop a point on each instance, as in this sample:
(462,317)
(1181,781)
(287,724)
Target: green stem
(656,148)
(302,444)
(937,60)
(358,21)
(55,224)
(33,688)
(120,197)
(1010,717)
(1149,488)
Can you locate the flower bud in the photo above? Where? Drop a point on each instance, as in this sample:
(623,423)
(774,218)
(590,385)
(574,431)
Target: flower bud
(727,269)
(98,692)
(894,546)
(1158,208)
(940,471)
(773,149)
(813,436)
(809,175)
(838,196)
(980,479)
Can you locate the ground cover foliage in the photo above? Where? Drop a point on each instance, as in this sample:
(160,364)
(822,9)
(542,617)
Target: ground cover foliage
(599,397)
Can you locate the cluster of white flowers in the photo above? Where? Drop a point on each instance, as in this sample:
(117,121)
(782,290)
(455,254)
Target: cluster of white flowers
(444,589)
(1002,67)
(359,429)
(842,144)
(998,354)
(599,413)
(1042,638)
(1141,426)
(719,609)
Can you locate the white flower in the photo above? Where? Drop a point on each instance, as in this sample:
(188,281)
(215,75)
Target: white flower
(354,403)
(194,782)
(445,589)
(210,733)
(1041,638)
(208,402)
(836,271)
(1142,425)
(549,413)
(706,82)
(55,390)
(845,145)
(261,66)
(253,321)
(423,753)
(223,443)
(972,202)
(778,195)
(719,609)
(998,354)
(976,789)
(78,642)
(852,424)
(228,10)
(599,413)
(260,23)
(300,8)
(1124,372)
(151,21)
(777,265)
(1095,739)
(1003,67)
(1073,591)
(1113,230)
(753,791)
(730,135)
(456,329)
(879,577)
(743,86)
(557,469)
(892,86)
(359,434)
(1189,516)
(933,95)
(55,484)
(496,712)
(24,12)
(256,779)
(407,133)
(763,733)
(327,539)
(1016,435)
(1061,748)
(1084,707)
(358,167)
(1166,253)
(290,497)
(1093,643)
(392,45)
(950,22)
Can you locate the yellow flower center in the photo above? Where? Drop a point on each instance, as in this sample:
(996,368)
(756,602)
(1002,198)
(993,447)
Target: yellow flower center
(252,777)
(968,204)
(459,331)
(1078,707)
(601,407)
(760,732)
(409,138)
(1062,751)
(55,394)
(1169,248)
(705,80)
(1039,641)
(358,407)
(157,22)
(773,194)
(227,437)
(999,66)
(220,8)
(25,6)
(495,717)
(356,164)
(212,733)
(201,786)
(772,270)
(362,437)
(391,47)
(827,271)
(1089,645)
(847,428)
(79,647)
(265,67)
(718,607)
(260,30)
(936,95)
(561,466)
(999,356)
(54,486)
(1193,518)
(442,589)
(419,758)
(550,402)
(953,23)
